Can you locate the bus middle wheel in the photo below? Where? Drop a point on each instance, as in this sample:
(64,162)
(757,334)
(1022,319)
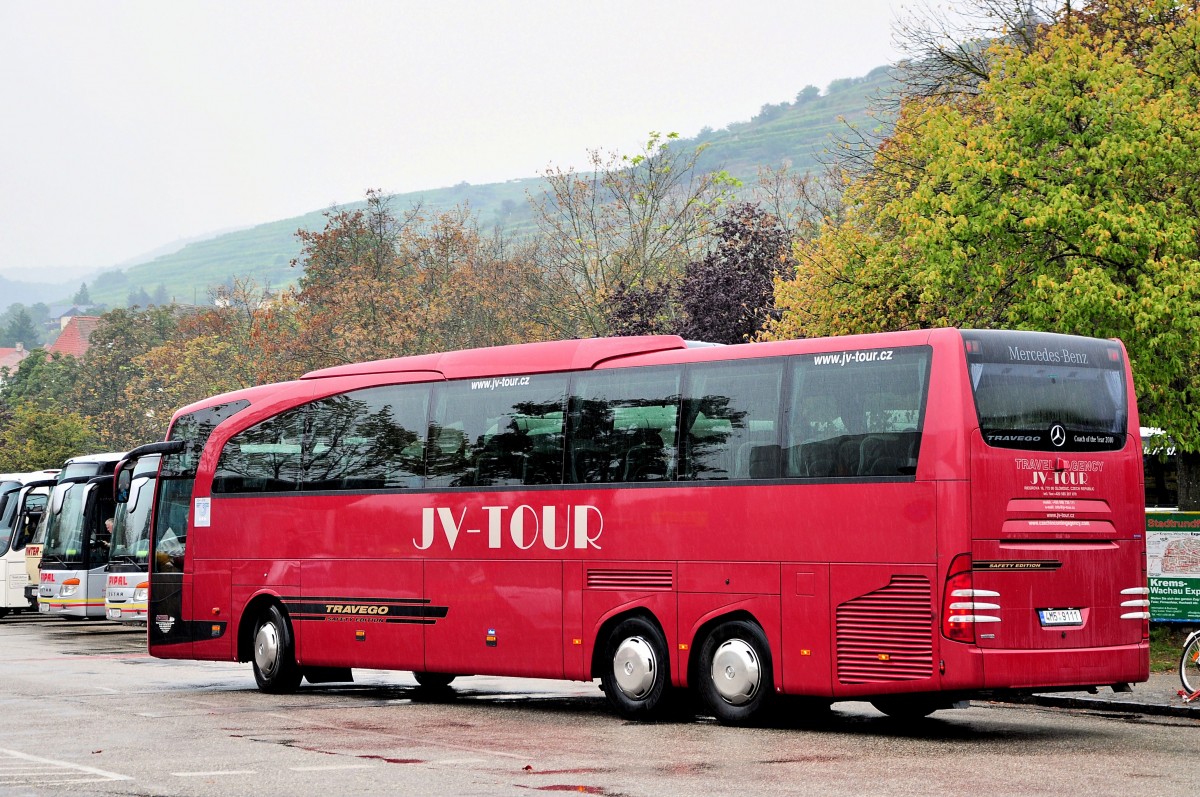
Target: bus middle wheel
(275,667)
(907,707)
(636,670)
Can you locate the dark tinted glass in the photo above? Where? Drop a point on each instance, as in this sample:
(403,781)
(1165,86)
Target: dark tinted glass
(131,523)
(8,513)
(731,414)
(25,518)
(856,413)
(496,432)
(177,477)
(623,426)
(1047,392)
(264,458)
(367,439)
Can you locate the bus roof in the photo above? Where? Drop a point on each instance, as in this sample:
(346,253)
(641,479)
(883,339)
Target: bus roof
(112,456)
(526,358)
(249,394)
(32,476)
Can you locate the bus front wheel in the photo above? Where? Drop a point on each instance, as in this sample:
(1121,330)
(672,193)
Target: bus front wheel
(275,667)
(735,679)
(636,672)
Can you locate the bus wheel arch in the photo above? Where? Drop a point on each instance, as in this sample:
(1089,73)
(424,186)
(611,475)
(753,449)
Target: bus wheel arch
(266,639)
(633,662)
(733,672)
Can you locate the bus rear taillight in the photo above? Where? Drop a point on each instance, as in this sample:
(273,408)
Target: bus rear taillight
(960,605)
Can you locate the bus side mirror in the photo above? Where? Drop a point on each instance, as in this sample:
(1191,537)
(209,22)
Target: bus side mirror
(122,482)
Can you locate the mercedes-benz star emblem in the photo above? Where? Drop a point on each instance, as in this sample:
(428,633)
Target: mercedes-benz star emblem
(1058,435)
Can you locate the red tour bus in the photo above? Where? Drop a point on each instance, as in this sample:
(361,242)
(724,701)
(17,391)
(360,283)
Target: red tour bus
(911,518)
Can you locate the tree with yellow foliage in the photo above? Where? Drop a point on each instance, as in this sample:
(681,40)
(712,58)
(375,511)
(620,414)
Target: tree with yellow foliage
(1063,193)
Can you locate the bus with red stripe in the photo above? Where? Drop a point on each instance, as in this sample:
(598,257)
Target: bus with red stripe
(913,518)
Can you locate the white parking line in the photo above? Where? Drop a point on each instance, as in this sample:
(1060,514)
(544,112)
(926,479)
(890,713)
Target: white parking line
(55,768)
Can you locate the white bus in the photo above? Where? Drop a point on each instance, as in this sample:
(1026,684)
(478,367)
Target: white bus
(129,555)
(73,573)
(22,498)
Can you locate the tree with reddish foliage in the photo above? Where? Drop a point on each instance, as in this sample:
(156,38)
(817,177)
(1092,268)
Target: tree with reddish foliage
(725,297)
(728,296)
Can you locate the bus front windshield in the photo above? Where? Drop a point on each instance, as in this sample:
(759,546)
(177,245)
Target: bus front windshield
(64,529)
(8,518)
(26,519)
(131,525)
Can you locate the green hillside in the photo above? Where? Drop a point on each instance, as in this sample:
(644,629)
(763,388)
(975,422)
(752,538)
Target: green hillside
(795,133)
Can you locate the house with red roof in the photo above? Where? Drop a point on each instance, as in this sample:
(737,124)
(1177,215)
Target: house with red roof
(10,358)
(74,338)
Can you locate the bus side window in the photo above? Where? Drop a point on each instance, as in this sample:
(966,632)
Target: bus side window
(859,419)
(367,439)
(646,458)
(815,426)
(731,414)
(484,434)
(264,458)
(446,454)
(589,459)
(621,425)
(545,459)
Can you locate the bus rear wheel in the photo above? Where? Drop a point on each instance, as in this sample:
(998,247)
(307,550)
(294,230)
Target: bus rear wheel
(636,672)
(275,667)
(735,677)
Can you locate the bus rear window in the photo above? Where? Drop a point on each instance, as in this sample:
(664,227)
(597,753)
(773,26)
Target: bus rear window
(1047,392)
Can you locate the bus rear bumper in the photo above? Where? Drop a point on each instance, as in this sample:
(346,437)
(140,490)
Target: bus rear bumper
(1076,668)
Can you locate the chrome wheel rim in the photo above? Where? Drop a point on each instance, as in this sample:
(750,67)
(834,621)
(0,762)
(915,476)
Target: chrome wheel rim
(635,668)
(266,649)
(736,672)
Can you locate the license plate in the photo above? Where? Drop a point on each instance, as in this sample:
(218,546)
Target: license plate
(114,614)
(1060,616)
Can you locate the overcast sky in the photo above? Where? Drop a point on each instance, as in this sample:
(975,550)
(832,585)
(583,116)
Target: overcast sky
(125,126)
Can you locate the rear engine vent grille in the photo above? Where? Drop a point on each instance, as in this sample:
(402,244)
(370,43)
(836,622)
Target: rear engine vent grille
(629,579)
(886,635)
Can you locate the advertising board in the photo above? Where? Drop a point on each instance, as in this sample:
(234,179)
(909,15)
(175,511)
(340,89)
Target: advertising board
(1173,565)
